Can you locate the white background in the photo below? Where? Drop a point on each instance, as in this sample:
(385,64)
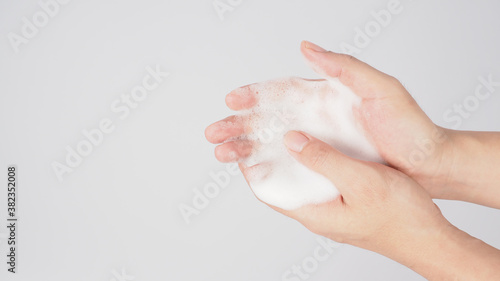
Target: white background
(119,210)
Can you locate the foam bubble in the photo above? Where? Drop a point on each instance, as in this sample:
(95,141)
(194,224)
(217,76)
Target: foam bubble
(322,108)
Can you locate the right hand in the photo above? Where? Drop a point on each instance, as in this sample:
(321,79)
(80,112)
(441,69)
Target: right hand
(402,133)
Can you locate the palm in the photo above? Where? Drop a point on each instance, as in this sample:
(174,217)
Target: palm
(402,133)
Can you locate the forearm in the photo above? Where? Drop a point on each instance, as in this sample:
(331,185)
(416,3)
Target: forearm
(474,167)
(447,254)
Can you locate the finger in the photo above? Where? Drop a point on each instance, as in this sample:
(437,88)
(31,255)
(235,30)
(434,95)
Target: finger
(233,151)
(344,171)
(220,131)
(352,72)
(241,98)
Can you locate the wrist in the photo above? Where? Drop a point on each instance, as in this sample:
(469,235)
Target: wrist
(447,253)
(460,166)
(445,181)
(438,254)
(436,174)
(472,167)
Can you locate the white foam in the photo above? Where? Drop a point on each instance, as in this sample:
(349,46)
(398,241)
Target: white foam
(322,108)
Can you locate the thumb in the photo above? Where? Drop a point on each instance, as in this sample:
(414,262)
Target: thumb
(345,172)
(349,70)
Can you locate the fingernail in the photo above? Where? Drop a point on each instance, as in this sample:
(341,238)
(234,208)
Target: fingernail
(314,47)
(295,141)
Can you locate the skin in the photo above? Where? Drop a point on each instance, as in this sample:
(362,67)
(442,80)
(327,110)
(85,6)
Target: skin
(388,208)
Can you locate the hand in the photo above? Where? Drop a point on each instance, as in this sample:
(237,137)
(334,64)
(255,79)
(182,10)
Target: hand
(449,164)
(378,205)
(383,210)
(402,133)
